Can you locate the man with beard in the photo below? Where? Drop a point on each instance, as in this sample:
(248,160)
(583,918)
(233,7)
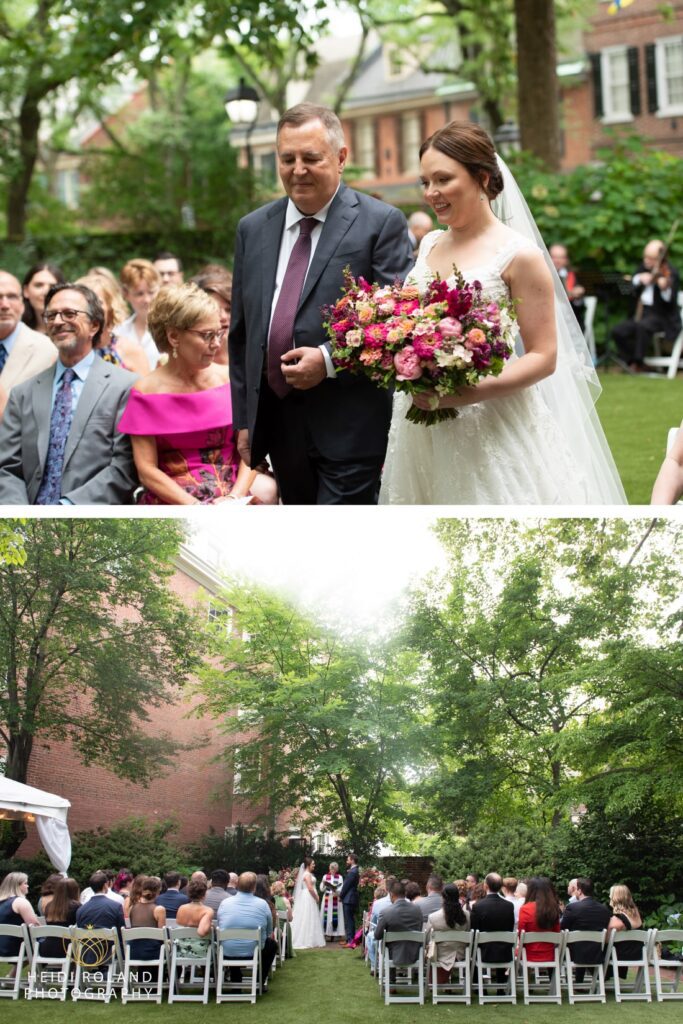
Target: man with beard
(58,439)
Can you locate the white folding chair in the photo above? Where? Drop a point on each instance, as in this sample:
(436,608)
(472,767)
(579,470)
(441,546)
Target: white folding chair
(666,988)
(590,304)
(283,930)
(134,984)
(55,972)
(403,980)
(21,958)
(639,987)
(585,991)
(97,955)
(457,989)
(671,363)
(189,950)
(543,976)
(238,991)
(484,967)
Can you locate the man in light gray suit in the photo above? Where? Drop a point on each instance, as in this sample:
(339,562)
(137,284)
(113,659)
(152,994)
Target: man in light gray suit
(23,352)
(326,433)
(401,916)
(59,442)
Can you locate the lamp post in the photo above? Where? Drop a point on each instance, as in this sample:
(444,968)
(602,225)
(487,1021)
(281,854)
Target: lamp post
(506,138)
(241,106)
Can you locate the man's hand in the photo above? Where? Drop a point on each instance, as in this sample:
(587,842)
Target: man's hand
(243,446)
(304,368)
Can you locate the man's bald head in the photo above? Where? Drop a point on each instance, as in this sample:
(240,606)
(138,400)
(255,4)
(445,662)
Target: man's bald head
(420,223)
(652,251)
(11,303)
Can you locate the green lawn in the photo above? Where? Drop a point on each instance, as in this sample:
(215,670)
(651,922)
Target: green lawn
(636,413)
(331,986)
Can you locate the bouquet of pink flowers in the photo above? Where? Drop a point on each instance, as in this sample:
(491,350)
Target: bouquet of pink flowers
(449,338)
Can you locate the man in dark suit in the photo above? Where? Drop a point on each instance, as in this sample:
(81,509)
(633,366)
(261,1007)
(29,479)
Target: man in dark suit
(494,914)
(657,294)
(585,914)
(173,897)
(59,442)
(326,435)
(401,916)
(348,894)
(98,912)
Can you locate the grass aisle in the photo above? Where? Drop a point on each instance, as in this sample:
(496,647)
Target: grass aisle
(636,413)
(331,986)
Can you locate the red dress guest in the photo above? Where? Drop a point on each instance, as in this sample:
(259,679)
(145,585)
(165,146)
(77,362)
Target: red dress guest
(540,913)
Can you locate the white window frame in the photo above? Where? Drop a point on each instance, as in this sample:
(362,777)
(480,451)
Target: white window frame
(664,108)
(366,145)
(410,161)
(219,612)
(610,116)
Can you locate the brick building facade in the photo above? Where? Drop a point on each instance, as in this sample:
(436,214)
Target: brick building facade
(187,791)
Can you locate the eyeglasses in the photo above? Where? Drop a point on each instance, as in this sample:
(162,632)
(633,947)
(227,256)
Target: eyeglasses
(207,336)
(67,315)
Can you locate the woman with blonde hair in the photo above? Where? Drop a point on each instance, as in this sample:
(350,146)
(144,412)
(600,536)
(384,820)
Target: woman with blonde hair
(180,415)
(140,282)
(625,917)
(114,314)
(14,909)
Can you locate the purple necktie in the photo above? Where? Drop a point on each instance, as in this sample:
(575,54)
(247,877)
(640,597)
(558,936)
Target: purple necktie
(282,325)
(60,424)
(3,356)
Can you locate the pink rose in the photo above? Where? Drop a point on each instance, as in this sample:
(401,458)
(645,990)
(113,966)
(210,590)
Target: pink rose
(476,337)
(449,327)
(407,363)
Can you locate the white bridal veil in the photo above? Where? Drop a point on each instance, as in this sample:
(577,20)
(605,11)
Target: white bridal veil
(572,390)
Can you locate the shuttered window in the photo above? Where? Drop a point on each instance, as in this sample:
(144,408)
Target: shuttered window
(669,72)
(616,85)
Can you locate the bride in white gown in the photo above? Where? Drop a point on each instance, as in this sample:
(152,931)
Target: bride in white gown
(307,931)
(530,436)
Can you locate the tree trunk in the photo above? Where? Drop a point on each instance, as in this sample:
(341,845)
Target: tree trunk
(538,90)
(20,181)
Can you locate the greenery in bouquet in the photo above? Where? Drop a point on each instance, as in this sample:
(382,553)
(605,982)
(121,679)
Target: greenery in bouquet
(286,875)
(368,880)
(447,339)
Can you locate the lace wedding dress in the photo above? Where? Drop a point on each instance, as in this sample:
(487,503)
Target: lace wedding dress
(307,931)
(504,451)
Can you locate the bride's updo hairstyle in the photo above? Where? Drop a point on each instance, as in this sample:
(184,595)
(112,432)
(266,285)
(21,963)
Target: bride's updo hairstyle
(472,147)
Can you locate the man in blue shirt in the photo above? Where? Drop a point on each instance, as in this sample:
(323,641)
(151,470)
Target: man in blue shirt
(244,910)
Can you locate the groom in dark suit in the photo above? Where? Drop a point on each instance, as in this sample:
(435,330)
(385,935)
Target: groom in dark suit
(349,897)
(326,435)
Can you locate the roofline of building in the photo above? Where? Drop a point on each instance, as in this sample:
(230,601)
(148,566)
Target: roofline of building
(198,569)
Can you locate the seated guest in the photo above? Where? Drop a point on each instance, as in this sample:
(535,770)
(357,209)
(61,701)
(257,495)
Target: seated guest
(540,913)
(106,347)
(146,913)
(419,225)
(121,884)
(625,917)
(180,416)
(263,892)
(574,289)
(61,911)
(23,352)
(14,909)
(412,891)
(668,486)
(37,282)
(246,910)
(509,892)
(59,442)
(283,905)
(134,894)
(195,914)
(586,914)
(493,913)
(134,343)
(449,917)
(231,887)
(401,916)
(380,897)
(169,268)
(173,897)
(434,898)
(218,891)
(655,288)
(46,892)
(99,912)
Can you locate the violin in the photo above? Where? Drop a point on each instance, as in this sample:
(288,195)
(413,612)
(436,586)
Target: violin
(660,274)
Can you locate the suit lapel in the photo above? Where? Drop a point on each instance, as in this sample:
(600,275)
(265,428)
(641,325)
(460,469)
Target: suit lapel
(41,401)
(270,254)
(340,217)
(98,375)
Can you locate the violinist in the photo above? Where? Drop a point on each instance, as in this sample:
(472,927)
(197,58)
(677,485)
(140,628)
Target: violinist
(574,289)
(655,287)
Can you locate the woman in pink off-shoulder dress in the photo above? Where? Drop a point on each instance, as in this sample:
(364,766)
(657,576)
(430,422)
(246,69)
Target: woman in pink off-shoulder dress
(180,416)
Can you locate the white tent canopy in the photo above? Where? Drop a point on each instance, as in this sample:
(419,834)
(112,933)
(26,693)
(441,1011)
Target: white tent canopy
(47,810)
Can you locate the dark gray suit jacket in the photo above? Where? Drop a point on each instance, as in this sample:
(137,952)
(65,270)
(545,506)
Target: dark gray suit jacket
(98,462)
(347,418)
(401,916)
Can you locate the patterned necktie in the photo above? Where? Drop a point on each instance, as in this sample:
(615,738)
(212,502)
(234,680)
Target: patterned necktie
(60,423)
(282,326)
(3,356)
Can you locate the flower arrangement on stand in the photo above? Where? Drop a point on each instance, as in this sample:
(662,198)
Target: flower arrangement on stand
(449,338)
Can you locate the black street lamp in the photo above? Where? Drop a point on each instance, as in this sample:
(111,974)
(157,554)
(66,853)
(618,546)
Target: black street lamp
(241,106)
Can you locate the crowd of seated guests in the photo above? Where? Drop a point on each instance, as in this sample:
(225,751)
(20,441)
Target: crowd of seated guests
(73,356)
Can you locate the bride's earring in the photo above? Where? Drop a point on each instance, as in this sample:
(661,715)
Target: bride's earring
(482,197)
(175,351)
